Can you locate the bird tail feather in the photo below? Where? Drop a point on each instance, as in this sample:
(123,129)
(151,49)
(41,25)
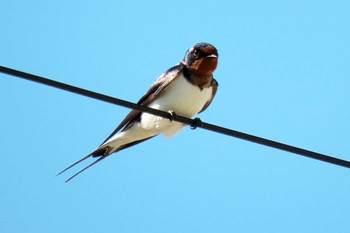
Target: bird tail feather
(101,152)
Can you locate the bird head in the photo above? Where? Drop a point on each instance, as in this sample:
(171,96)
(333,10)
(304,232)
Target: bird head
(201,59)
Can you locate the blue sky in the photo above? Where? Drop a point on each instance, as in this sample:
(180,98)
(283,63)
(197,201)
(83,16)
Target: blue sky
(283,74)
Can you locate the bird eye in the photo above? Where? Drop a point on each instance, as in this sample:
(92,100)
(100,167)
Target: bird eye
(196,53)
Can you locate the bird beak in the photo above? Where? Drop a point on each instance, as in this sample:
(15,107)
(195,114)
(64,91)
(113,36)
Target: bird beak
(212,56)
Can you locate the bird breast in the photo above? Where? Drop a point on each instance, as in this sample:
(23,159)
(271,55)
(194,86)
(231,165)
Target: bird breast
(180,96)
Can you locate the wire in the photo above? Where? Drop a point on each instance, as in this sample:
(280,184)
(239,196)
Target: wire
(194,123)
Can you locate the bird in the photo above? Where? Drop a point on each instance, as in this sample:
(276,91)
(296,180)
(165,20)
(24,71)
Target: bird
(185,89)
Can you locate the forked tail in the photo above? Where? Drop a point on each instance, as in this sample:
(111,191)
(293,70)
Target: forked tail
(101,152)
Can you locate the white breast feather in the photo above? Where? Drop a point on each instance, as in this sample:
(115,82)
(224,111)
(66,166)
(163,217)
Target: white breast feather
(183,98)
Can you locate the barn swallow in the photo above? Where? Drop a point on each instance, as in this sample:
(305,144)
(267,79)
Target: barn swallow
(185,89)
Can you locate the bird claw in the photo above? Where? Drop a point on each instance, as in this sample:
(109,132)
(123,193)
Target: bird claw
(196,123)
(172,115)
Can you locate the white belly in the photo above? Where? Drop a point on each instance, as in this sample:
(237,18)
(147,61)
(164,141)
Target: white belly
(180,96)
(183,98)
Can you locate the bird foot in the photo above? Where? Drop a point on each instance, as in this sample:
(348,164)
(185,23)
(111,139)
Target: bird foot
(172,115)
(196,123)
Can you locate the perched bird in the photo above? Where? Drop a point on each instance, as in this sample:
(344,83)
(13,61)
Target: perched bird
(185,89)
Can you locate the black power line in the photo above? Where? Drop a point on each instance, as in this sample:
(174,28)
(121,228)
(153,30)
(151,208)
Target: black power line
(194,123)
